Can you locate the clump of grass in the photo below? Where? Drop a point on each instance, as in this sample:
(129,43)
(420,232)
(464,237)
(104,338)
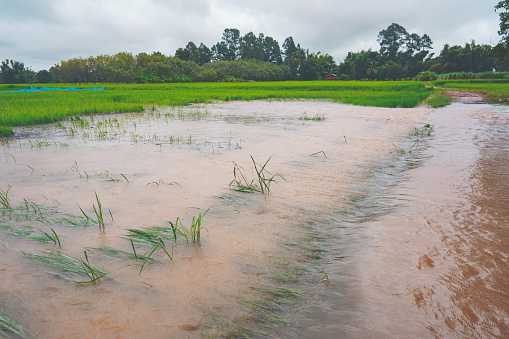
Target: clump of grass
(9,327)
(420,133)
(98,211)
(74,269)
(4,199)
(153,236)
(316,117)
(6,131)
(162,182)
(192,233)
(438,100)
(260,184)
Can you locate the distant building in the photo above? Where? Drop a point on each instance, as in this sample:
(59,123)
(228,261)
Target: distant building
(330,77)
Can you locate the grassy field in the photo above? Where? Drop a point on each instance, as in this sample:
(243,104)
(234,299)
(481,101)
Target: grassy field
(495,89)
(22,109)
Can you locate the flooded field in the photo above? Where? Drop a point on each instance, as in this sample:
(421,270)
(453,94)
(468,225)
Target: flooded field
(366,230)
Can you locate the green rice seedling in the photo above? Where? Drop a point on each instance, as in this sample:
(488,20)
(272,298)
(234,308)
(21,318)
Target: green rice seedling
(71,268)
(260,184)
(98,211)
(242,184)
(316,117)
(153,236)
(112,251)
(4,199)
(152,250)
(54,237)
(12,157)
(324,277)
(194,231)
(9,327)
(319,153)
(162,182)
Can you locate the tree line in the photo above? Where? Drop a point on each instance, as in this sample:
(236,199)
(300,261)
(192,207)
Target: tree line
(402,55)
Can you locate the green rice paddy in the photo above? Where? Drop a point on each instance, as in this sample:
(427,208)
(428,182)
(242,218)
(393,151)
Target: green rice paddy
(25,109)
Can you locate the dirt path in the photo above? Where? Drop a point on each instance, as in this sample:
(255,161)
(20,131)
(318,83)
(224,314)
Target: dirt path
(468,97)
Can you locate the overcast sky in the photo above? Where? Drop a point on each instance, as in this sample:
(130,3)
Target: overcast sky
(41,33)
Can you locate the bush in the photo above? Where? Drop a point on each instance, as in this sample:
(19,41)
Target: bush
(426,76)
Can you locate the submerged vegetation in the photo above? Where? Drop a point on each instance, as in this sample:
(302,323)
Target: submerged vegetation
(9,327)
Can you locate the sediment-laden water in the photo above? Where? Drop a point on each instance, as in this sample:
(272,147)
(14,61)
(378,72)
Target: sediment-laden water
(368,231)
(431,260)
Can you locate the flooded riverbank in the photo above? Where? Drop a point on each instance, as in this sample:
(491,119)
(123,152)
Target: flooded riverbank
(147,170)
(368,230)
(434,263)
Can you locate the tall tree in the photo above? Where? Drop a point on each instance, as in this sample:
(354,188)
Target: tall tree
(14,72)
(204,54)
(231,37)
(251,47)
(289,48)
(502,48)
(503,11)
(271,51)
(392,39)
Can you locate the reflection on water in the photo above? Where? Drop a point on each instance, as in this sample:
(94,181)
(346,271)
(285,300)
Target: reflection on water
(383,236)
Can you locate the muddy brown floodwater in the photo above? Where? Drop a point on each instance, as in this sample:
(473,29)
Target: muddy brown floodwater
(372,233)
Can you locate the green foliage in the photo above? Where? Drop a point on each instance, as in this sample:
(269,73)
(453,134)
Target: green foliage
(426,76)
(472,75)
(469,58)
(396,38)
(503,11)
(14,72)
